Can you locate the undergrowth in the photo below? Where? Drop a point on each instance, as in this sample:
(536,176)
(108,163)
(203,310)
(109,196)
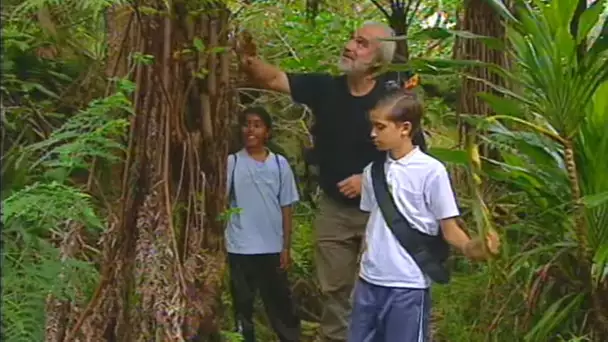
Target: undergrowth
(41,219)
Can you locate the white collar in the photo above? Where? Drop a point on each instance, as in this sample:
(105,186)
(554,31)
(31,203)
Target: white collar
(403,160)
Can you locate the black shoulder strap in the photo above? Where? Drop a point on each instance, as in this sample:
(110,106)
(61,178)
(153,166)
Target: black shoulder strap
(276,158)
(420,140)
(415,242)
(232,192)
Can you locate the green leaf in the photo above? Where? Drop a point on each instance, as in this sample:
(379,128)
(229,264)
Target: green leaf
(588,20)
(502,105)
(438,66)
(502,10)
(601,255)
(600,260)
(198,44)
(147,10)
(218,49)
(60,76)
(564,10)
(554,316)
(440,63)
(600,99)
(126,85)
(44,90)
(440,33)
(592,201)
(57,174)
(450,156)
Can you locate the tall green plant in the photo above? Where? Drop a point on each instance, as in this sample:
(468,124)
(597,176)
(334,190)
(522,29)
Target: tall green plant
(550,126)
(553,123)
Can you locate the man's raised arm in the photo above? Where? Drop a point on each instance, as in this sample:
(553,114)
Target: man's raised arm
(262,74)
(304,88)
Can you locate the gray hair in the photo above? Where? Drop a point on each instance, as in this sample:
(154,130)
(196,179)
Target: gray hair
(387,47)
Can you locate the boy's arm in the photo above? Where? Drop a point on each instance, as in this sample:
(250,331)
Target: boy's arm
(287,213)
(443,205)
(442,202)
(473,249)
(367,191)
(229,172)
(367,202)
(454,235)
(288,195)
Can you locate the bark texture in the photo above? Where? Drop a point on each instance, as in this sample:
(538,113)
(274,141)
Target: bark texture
(481,19)
(163,255)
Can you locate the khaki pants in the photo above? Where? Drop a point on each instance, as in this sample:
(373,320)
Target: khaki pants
(339,232)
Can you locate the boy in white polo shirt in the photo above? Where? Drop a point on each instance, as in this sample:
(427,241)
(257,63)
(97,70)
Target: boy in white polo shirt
(391,297)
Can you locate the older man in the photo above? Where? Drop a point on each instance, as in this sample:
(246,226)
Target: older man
(343,148)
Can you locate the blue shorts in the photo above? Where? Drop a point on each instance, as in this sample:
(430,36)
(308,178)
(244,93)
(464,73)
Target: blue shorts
(389,314)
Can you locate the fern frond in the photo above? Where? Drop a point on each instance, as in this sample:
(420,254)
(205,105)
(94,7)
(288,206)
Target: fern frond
(93,133)
(31,270)
(33,267)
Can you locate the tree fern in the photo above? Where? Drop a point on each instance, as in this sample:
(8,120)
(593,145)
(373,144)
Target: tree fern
(89,134)
(33,265)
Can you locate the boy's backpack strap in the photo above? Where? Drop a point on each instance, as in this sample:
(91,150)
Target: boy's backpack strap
(232,192)
(428,251)
(276,158)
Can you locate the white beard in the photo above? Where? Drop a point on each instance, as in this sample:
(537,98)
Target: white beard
(350,67)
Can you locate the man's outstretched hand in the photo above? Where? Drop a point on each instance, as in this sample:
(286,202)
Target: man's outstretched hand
(245,47)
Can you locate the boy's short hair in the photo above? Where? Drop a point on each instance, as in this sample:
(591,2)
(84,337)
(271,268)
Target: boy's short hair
(403,106)
(259,111)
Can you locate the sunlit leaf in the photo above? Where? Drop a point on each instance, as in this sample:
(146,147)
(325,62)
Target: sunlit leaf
(589,19)
(198,44)
(592,201)
(601,260)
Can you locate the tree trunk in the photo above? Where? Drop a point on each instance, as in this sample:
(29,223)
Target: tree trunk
(481,19)
(163,252)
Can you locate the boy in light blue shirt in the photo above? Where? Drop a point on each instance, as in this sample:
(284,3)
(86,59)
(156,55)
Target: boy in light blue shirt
(258,236)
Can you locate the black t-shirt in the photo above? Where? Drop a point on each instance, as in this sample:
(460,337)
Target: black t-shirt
(343,145)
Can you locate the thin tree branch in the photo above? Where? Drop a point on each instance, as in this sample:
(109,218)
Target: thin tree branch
(381,8)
